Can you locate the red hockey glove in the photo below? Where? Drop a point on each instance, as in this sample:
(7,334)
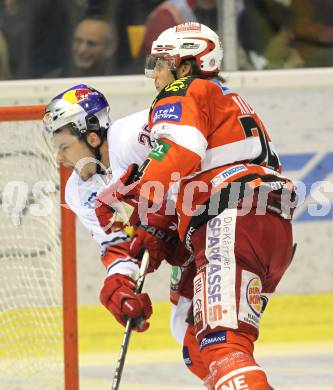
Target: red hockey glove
(160,238)
(144,240)
(111,213)
(118,296)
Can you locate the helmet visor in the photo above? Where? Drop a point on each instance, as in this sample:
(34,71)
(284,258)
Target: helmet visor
(157,63)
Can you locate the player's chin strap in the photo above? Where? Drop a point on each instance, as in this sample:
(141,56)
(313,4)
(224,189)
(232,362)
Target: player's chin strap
(97,152)
(94,126)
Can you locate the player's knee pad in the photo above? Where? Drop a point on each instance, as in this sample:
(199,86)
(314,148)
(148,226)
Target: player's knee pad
(191,355)
(231,363)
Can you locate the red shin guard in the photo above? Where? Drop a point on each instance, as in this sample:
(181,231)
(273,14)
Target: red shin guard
(232,365)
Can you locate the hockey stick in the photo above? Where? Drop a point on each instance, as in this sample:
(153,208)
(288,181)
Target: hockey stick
(128,329)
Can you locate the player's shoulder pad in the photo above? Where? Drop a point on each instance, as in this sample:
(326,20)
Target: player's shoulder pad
(178,87)
(71,189)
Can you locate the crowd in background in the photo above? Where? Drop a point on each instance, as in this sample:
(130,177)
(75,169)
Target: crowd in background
(67,38)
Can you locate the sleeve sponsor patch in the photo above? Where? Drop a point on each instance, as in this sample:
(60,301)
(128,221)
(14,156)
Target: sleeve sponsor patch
(160,150)
(168,112)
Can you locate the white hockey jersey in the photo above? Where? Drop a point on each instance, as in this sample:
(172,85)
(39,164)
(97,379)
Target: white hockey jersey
(128,143)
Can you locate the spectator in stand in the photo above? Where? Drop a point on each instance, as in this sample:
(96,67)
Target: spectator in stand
(93,47)
(312,25)
(206,12)
(48,45)
(14,23)
(36,44)
(266,36)
(172,12)
(167,14)
(4,58)
(130,23)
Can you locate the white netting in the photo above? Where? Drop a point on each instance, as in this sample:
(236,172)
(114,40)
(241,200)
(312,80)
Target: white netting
(31,355)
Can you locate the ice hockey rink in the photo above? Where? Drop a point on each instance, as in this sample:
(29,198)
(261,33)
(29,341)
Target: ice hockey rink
(304,362)
(289,367)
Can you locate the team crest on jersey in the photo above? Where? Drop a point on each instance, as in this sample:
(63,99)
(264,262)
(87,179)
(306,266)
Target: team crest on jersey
(176,88)
(168,112)
(91,199)
(176,85)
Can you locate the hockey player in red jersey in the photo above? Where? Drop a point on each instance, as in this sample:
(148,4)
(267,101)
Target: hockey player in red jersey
(234,206)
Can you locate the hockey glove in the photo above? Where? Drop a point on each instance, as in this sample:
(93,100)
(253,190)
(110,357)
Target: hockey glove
(161,240)
(118,296)
(159,237)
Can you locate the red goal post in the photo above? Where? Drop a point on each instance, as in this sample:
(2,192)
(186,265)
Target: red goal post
(23,114)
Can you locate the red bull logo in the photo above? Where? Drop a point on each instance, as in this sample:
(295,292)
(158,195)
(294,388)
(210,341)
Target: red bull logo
(77,95)
(82,94)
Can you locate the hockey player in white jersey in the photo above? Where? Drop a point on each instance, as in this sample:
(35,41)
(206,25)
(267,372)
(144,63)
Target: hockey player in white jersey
(98,152)
(78,120)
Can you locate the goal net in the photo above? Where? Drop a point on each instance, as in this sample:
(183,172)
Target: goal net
(31,291)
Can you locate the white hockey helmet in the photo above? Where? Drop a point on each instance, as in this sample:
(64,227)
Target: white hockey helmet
(187,40)
(83,108)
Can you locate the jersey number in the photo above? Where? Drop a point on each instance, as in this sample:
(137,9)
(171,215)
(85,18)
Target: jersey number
(251,127)
(144,137)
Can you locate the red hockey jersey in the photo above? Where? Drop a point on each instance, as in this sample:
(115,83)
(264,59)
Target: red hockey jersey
(206,137)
